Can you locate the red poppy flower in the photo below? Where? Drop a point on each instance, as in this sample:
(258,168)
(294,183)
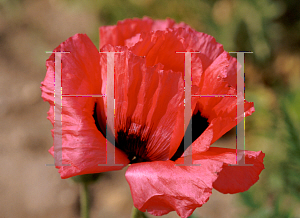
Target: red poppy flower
(149,113)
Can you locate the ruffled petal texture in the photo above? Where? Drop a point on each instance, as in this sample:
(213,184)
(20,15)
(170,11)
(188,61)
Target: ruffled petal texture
(130,29)
(83,146)
(160,47)
(213,73)
(221,112)
(161,187)
(197,41)
(149,101)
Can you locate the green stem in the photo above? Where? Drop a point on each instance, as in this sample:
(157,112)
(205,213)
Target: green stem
(137,214)
(84,200)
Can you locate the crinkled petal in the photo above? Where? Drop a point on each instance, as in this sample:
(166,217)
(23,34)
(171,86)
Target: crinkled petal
(167,106)
(117,35)
(150,97)
(161,187)
(161,47)
(221,112)
(197,41)
(213,83)
(219,77)
(83,146)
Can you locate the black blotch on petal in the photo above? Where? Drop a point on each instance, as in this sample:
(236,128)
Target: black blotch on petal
(96,120)
(199,125)
(133,138)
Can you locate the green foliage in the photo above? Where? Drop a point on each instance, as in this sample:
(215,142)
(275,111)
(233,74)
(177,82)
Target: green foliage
(87,178)
(291,167)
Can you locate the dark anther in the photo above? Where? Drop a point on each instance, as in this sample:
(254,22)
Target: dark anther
(199,125)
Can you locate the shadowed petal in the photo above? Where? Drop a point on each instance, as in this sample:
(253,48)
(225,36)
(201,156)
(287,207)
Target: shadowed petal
(235,179)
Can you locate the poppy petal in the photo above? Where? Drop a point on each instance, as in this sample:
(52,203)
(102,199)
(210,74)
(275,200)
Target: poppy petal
(83,146)
(167,107)
(234,179)
(221,112)
(150,97)
(213,83)
(210,50)
(118,34)
(161,47)
(161,187)
(198,41)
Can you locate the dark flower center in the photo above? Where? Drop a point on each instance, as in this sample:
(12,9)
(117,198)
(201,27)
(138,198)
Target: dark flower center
(132,138)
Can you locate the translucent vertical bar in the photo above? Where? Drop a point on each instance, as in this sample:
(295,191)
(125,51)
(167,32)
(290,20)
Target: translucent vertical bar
(240,133)
(110,133)
(188,160)
(240,127)
(110,122)
(188,141)
(57,112)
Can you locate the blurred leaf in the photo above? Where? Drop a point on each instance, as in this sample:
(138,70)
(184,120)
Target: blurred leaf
(249,201)
(291,167)
(192,216)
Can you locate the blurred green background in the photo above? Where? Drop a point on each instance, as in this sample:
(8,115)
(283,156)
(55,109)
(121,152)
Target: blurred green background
(269,28)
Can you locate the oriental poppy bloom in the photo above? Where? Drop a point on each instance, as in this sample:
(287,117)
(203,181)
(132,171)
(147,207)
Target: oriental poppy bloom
(149,113)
